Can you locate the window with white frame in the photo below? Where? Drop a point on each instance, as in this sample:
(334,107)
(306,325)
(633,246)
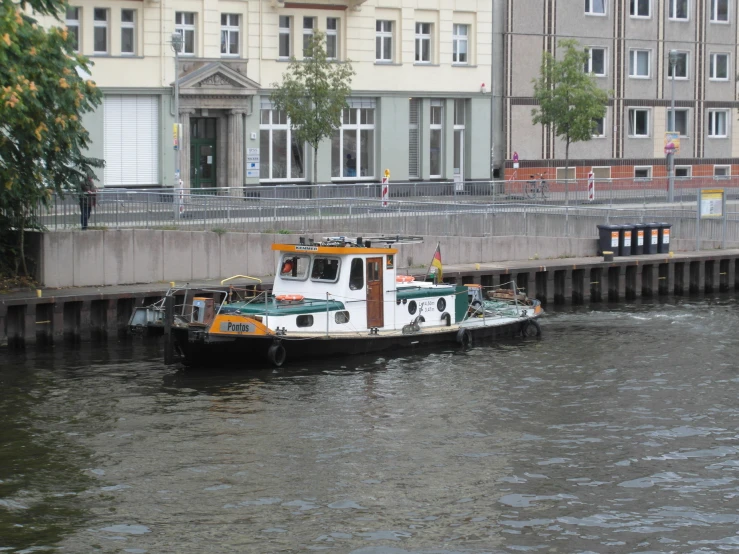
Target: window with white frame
(595,7)
(128,32)
(596,63)
(722,171)
(683,171)
(719,11)
(353,145)
(678,10)
(309,25)
(184,24)
(282,157)
(100,31)
(718,69)
(72,21)
(639,64)
(681,65)
(436,139)
(285,48)
(681,122)
(643,172)
(423,42)
(383,41)
(599,127)
(717,123)
(638,122)
(460,44)
(332,38)
(131,131)
(230,34)
(641,8)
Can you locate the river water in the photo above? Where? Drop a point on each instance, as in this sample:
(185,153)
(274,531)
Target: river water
(618,431)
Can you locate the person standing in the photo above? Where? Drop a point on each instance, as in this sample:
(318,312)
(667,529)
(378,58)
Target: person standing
(88,199)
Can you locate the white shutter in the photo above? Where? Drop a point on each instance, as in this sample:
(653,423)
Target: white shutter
(131,140)
(415,106)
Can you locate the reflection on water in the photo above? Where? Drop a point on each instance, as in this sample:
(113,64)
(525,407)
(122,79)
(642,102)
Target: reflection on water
(617,432)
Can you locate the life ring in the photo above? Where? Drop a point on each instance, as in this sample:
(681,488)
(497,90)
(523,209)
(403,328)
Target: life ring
(276,354)
(289,297)
(404,278)
(464,337)
(531,329)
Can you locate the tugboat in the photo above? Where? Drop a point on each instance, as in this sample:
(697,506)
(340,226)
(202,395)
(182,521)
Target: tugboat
(342,296)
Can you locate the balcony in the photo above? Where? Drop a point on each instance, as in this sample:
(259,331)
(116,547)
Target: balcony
(355,5)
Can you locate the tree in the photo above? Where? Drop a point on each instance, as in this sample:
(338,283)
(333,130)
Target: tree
(42,99)
(313,95)
(570,102)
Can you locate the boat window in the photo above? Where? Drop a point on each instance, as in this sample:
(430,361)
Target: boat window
(341,317)
(356,275)
(294,267)
(325,269)
(305,321)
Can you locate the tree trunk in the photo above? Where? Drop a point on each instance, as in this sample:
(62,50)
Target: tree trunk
(567,171)
(315,165)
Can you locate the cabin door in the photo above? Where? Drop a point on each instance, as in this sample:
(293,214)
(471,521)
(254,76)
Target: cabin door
(375,312)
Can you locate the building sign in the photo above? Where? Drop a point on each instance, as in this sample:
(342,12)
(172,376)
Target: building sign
(712,203)
(672,142)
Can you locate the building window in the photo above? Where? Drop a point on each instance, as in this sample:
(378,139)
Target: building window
(128,32)
(681,122)
(184,24)
(383,41)
(596,63)
(435,146)
(72,21)
(601,172)
(717,123)
(460,43)
(284,39)
(683,171)
(100,38)
(595,7)
(722,171)
(643,173)
(282,156)
(332,38)
(230,34)
(678,10)
(353,145)
(639,64)
(308,29)
(719,11)
(413,138)
(681,65)
(719,67)
(423,42)
(641,8)
(599,127)
(638,122)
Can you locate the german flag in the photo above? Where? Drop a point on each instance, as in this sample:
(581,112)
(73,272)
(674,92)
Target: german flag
(438,271)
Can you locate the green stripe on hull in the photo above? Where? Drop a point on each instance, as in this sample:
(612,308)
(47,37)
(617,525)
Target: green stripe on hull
(273,308)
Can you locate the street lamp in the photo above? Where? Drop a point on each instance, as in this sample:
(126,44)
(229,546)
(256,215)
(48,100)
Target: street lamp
(671,154)
(177,47)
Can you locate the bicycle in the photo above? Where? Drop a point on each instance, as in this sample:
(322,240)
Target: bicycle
(536,186)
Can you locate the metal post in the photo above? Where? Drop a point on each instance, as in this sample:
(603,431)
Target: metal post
(671,155)
(177,41)
(168,339)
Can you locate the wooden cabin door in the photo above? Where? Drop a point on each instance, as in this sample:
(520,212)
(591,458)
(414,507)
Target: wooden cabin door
(375,311)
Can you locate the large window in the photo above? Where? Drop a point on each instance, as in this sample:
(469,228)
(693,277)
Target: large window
(638,122)
(679,9)
(356,274)
(639,64)
(294,266)
(460,43)
(128,32)
(325,269)
(643,173)
(719,67)
(599,127)
(641,8)
(719,11)
(100,32)
(230,34)
(282,157)
(595,7)
(717,123)
(436,143)
(423,42)
(414,117)
(681,122)
(332,38)
(383,41)
(596,63)
(353,145)
(681,65)
(184,24)
(285,47)
(309,25)
(72,21)
(131,139)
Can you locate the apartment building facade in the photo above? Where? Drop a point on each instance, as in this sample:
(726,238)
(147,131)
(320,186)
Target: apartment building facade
(420,103)
(629,43)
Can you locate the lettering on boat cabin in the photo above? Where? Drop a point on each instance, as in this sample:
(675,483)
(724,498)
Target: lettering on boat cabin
(234,327)
(306,248)
(427,306)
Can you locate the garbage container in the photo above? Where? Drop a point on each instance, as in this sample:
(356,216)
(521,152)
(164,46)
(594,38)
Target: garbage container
(608,236)
(651,238)
(637,239)
(625,236)
(664,238)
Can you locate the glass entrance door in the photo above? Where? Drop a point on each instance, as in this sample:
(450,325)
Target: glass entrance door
(203,151)
(459,159)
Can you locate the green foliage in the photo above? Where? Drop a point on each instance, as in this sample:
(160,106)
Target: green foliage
(219,231)
(313,93)
(42,100)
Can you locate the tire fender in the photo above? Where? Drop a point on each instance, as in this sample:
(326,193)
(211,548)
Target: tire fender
(277,354)
(531,328)
(464,337)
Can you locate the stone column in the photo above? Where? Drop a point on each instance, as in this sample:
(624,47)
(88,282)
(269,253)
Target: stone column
(185,146)
(236,150)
